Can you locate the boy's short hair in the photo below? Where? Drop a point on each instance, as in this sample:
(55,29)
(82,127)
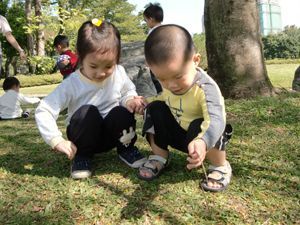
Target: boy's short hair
(104,38)
(62,40)
(167,42)
(154,11)
(9,82)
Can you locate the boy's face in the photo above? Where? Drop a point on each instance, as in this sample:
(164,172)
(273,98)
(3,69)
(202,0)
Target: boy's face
(16,88)
(58,49)
(177,76)
(97,67)
(149,21)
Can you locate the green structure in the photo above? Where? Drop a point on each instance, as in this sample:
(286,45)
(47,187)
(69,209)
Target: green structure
(270,16)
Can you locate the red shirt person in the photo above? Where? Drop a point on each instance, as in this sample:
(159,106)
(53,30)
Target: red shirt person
(67,61)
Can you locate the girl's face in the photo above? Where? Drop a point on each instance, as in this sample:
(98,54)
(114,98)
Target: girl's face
(97,66)
(177,76)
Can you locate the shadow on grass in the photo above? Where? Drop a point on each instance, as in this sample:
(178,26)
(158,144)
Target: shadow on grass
(18,217)
(138,203)
(28,155)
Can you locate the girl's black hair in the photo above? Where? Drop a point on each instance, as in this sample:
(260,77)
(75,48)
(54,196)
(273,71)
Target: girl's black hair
(165,42)
(9,82)
(103,38)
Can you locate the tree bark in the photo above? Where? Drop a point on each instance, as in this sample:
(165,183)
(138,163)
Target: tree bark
(6,66)
(30,40)
(234,48)
(40,42)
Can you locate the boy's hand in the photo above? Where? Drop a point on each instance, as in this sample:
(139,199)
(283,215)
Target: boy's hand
(65,62)
(66,147)
(197,153)
(137,105)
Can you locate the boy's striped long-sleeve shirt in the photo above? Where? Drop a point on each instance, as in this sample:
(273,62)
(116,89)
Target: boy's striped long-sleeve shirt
(202,100)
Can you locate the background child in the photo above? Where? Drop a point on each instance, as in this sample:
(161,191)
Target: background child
(11,100)
(67,61)
(191,114)
(100,99)
(153,16)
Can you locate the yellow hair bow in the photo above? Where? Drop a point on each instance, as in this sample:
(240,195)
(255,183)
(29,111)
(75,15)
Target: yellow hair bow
(97,22)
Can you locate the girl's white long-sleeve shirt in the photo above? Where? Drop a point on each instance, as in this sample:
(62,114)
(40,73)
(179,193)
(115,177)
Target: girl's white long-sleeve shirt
(10,104)
(76,91)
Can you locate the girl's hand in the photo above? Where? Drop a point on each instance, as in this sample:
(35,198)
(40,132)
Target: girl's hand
(66,147)
(137,105)
(197,153)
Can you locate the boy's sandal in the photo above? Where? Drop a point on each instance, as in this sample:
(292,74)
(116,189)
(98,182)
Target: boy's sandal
(218,174)
(154,166)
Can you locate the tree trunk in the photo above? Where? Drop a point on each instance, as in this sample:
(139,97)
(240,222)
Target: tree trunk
(14,63)
(6,66)
(30,40)
(62,17)
(234,48)
(40,42)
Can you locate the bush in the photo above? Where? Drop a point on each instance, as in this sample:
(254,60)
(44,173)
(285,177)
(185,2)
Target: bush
(282,61)
(42,64)
(284,45)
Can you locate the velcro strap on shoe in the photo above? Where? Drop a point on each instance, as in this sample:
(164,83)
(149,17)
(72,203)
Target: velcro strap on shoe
(222,169)
(157,158)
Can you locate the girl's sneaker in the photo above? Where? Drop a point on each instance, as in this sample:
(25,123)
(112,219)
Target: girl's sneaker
(81,167)
(132,157)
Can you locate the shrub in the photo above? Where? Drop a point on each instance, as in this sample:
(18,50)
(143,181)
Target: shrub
(285,44)
(282,61)
(42,64)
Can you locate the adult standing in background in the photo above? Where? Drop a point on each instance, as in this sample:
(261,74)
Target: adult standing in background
(7,32)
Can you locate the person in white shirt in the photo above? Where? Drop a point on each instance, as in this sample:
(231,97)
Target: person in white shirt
(5,29)
(12,99)
(154,16)
(101,101)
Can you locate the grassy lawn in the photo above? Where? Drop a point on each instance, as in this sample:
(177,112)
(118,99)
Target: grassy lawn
(282,75)
(37,90)
(35,187)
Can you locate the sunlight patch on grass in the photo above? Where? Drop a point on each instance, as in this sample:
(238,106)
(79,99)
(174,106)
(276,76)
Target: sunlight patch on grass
(282,75)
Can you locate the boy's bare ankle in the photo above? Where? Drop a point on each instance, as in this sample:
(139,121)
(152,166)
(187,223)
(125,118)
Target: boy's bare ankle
(160,152)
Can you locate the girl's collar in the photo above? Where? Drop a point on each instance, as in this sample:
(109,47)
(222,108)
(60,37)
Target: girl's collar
(87,80)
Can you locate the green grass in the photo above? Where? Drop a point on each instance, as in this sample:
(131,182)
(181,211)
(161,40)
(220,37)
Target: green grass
(37,84)
(37,90)
(37,80)
(35,187)
(282,75)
